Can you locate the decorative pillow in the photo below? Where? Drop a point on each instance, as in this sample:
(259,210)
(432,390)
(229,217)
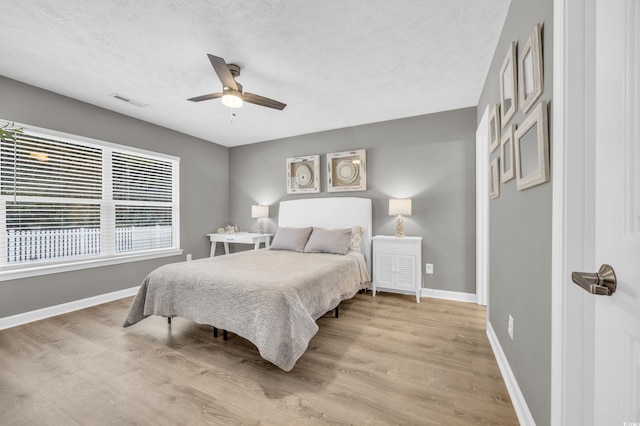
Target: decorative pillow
(356,239)
(335,241)
(293,239)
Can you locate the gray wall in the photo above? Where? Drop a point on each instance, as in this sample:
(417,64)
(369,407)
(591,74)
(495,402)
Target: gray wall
(429,158)
(204,191)
(520,234)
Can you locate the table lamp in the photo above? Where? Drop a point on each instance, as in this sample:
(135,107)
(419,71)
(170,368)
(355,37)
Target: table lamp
(260,212)
(399,207)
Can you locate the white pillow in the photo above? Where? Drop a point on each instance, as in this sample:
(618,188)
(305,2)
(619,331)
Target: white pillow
(335,241)
(292,239)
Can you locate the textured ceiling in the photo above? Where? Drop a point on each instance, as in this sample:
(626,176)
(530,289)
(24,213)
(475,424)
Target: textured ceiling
(334,63)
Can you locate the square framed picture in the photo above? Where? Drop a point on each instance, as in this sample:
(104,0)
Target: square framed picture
(303,174)
(347,171)
(531,143)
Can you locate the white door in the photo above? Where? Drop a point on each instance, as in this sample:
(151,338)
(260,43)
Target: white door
(596,211)
(617,215)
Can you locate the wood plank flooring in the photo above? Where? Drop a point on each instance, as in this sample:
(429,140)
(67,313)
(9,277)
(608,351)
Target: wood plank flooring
(386,360)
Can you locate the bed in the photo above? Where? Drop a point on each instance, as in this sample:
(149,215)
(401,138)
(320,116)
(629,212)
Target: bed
(270,297)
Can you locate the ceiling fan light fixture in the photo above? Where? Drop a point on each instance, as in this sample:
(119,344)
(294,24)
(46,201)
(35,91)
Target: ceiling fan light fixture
(232,94)
(231,98)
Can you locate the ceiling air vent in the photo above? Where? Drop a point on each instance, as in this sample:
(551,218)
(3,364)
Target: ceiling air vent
(128,100)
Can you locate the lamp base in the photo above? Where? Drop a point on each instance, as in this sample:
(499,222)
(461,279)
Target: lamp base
(260,226)
(399,226)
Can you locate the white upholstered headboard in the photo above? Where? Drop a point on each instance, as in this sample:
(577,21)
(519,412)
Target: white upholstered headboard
(335,212)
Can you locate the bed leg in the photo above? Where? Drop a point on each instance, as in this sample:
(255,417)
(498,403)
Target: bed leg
(169,320)
(225,336)
(215,332)
(337,313)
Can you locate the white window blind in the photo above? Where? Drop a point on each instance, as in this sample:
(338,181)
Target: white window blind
(142,191)
(65,199)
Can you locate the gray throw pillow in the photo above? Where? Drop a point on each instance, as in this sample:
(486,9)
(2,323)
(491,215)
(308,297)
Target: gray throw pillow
(292,239)
(335,241)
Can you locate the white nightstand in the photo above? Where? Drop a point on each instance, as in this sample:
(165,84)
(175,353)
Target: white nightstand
(239,238)
(396,264)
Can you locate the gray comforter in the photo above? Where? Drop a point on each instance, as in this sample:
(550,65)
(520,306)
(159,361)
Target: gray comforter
(270,297)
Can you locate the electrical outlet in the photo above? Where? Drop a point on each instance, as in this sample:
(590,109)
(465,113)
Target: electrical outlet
(189,257)
(428,268)
(510,327)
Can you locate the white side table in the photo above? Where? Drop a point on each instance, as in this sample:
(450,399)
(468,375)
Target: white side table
(239,238)
(396,264)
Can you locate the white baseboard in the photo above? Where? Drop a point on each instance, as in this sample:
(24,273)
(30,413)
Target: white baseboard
(448,295)
(517,399)
(51,311)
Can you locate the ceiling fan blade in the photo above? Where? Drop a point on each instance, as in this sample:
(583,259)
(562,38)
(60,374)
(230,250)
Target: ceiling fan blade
(262,101)
(222,69)
(205,97)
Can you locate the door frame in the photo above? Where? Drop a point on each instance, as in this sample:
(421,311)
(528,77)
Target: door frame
(573,218)
(482,211)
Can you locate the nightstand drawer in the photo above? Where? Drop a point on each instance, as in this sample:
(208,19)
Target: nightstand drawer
(395,248)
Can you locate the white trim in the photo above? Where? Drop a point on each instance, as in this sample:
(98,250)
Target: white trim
(517,399)
(482,210)
(175,206)
(34,271)
(558,350)
(51,311)
(449,295)
(572,211)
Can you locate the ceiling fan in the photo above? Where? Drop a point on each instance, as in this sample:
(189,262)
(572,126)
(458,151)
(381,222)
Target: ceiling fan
(232,94)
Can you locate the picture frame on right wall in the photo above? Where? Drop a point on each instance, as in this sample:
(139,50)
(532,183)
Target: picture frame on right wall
(494,127)
(506,154)
(531,143)
(494,178)
(509,86)
(530,70)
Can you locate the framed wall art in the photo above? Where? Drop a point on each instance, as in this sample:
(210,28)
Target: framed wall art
(508,86)
(303,174)
(494,178)
(531,144)
(506,154)
(494,127)
(347,171)
(530,71)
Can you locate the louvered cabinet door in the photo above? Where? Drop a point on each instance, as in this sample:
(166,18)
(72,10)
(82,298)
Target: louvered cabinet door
(405,272)
(383,269)
(396,264)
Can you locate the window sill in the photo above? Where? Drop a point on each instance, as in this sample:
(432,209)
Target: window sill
(34,271)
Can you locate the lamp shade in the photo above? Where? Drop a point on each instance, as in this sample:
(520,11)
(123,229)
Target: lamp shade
(259,212)
(232,98)
(399,206)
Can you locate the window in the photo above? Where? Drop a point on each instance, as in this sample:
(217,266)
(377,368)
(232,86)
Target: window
(65,199)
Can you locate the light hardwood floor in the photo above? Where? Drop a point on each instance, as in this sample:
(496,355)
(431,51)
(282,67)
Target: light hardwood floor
(386,360)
